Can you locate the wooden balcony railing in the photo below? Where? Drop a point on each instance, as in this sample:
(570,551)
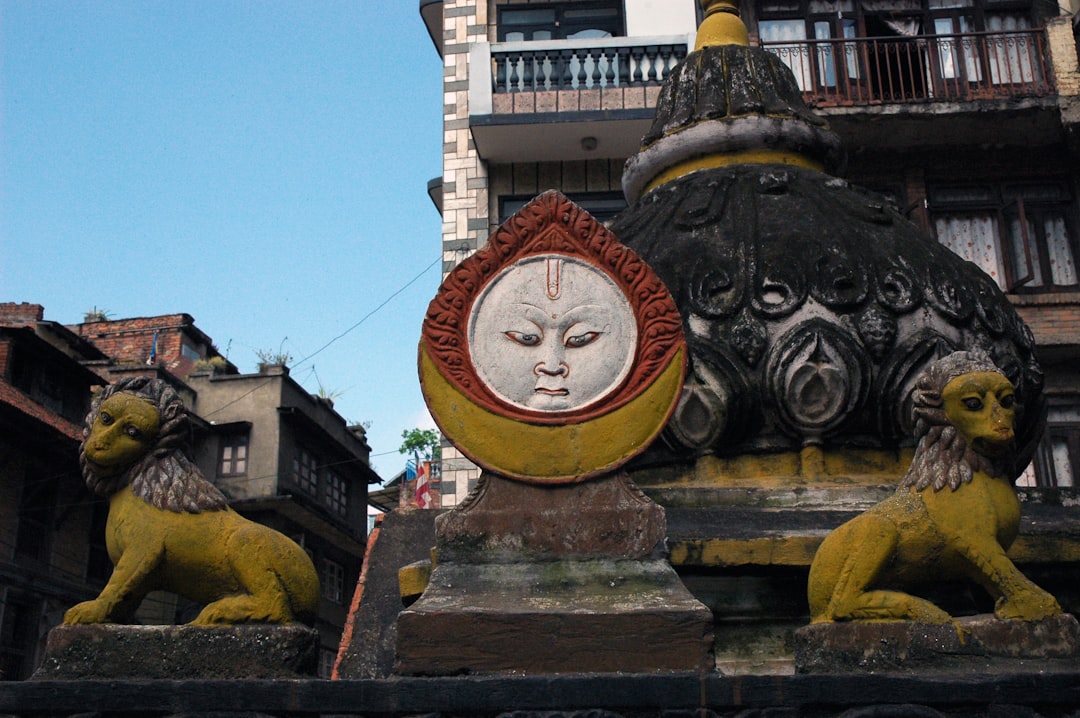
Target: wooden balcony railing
(923,68)
(582,64)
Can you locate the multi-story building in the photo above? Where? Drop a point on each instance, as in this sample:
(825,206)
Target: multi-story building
(52,538)
(542,96)
(964,113)
(284,457)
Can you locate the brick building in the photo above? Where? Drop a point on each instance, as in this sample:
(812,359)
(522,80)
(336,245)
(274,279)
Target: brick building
(52,540)
(964,113)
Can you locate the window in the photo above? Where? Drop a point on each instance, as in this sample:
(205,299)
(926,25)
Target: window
(36,508)
(1021,235)
(333,581)
(559,21)
(336,494)
(234,455)
(327,658)
(306,472)
(1057,461)
(18,634)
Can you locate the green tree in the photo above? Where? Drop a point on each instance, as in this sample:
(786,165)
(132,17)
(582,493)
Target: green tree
(420,442)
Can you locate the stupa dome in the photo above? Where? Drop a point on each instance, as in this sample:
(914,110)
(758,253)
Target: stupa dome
(810,305)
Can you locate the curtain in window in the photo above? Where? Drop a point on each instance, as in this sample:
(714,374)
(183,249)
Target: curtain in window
(956,50)
(1062,463)
(1062,262)
(794,53)
(1010,55)
(973,236)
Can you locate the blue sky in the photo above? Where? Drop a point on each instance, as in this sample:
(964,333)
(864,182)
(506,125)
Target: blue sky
(258,165)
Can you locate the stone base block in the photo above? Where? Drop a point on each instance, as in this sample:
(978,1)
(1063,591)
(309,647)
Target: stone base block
(554,617)
(976,644)
(110,651)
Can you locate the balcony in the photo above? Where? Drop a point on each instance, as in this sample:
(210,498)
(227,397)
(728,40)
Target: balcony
(924,68)
(565,100)
(965,82)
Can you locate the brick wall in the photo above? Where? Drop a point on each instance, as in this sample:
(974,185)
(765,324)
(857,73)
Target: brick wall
(1054,318)
(1063,56)
(20,314)
(129,341)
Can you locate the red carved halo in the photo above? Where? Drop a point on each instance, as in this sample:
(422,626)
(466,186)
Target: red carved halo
(552,224)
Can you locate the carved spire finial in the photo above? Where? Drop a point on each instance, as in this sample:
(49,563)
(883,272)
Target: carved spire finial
(722,25)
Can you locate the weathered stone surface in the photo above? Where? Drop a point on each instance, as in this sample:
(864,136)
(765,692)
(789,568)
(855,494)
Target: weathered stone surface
(554,617)
(401,538)
(975,644)
(553,579)
(509,521)
(109,651)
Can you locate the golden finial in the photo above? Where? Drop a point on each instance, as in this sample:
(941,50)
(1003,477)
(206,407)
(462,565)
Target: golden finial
(722,25)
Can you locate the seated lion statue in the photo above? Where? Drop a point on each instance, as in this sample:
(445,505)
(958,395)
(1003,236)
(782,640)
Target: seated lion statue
(171,529)
(953,517)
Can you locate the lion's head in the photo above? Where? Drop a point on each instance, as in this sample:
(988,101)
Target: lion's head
(137,433)
(951,449)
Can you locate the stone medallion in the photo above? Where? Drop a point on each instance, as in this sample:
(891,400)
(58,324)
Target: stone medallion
(554,353)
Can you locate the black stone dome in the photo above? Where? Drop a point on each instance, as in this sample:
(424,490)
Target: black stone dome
(810,308)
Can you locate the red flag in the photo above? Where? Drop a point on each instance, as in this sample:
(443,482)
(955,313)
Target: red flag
(423,487)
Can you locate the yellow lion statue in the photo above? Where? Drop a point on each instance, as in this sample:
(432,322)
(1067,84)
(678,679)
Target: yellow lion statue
(954,515)
(171,529)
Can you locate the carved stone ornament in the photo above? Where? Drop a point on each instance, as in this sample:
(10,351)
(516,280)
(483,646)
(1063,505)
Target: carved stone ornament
(554,353)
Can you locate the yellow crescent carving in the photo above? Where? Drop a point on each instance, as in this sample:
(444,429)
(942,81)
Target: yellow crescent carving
(560,453)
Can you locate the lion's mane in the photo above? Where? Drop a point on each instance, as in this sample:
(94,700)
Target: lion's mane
(943,457)
(165,476)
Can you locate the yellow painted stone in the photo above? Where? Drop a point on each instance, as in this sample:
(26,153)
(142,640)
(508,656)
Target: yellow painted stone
(554,453)
(954,517)
(170,529)
(413,579)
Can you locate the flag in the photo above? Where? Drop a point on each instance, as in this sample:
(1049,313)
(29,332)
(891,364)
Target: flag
(423,486)
(153,351)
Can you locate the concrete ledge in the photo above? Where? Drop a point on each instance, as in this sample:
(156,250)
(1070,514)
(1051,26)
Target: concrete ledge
(110,651)
(977,644)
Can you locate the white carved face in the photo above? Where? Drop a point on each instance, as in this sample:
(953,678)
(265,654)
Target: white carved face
(552,333)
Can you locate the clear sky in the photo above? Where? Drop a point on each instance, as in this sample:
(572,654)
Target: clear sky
(260,165)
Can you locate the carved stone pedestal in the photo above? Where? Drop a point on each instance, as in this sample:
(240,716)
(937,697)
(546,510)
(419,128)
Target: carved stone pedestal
(980,643)
(110,651)
(540,579)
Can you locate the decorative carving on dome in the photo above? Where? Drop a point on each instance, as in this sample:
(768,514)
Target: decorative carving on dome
(842,278)
(898,376)
(877,328)
(718,287)
(948,292)
(779,287)
(749,337)
(897,288)
(701,415)
(764,251)
(817,379)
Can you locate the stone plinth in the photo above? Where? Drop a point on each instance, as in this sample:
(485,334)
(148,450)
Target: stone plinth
(553,580)
(976,644)
(111,651)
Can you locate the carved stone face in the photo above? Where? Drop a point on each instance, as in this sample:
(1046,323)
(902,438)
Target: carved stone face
(125,429)
(552,333)
(981,405)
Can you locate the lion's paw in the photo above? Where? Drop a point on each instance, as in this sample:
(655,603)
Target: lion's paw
(87,612)
(1030,606)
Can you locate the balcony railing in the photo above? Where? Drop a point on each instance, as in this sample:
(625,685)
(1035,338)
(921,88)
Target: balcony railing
(584,64)
(923,68)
